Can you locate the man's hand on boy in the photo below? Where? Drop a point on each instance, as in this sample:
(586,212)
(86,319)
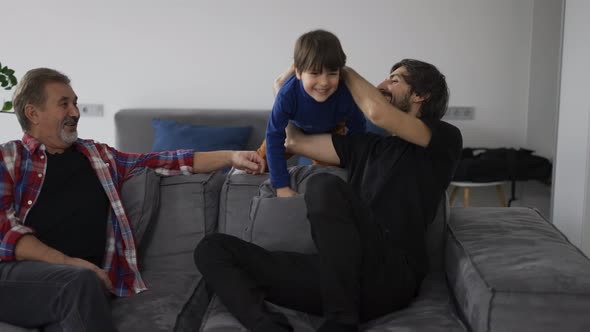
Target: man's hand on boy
(279,81)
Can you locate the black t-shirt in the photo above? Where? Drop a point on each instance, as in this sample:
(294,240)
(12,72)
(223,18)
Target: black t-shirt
(71,212)
(402,183)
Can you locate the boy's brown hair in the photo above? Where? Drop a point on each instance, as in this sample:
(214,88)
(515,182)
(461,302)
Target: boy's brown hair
(318,49)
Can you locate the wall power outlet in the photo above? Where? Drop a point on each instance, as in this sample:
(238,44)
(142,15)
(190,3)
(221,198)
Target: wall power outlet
(460,113)
(95,110)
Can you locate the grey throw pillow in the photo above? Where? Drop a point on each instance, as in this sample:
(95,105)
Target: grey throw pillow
(140,195)
(281,223)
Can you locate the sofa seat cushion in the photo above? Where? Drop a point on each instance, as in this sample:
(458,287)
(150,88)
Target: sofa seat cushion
(511,270)
(432,311)
(158,308)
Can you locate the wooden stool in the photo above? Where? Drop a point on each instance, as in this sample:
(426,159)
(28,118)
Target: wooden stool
(468,185)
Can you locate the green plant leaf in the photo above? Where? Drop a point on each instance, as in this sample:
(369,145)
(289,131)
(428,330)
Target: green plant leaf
(3,81)
(9,72)
(13,80)
(7,106)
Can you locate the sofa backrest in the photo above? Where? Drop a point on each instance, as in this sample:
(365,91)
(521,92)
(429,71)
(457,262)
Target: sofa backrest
(249,211)
(134,131)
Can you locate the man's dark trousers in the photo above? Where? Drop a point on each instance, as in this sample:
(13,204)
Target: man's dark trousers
(53,297)
(356,276)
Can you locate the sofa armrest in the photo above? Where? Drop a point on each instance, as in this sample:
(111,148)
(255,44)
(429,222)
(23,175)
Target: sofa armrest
(511,270)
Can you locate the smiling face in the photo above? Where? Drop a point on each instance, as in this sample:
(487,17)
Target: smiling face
(55,122)
(397,90)
(319,85)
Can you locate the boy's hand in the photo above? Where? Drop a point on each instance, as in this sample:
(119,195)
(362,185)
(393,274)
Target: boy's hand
(286,192)
(248,161)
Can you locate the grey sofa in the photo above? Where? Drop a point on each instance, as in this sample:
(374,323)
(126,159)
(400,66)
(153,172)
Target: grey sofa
(492,269)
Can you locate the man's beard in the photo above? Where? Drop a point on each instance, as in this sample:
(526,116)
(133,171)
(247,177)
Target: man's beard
(403,104)
(69,137)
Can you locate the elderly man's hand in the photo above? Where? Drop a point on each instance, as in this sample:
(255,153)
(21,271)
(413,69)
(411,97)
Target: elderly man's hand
(102,274)
(248,161)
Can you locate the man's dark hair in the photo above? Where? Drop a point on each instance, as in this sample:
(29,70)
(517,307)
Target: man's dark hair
(426,81)
(31,90)
(318,49)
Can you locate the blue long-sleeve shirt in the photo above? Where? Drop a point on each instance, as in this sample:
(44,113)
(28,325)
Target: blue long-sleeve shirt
(294,104)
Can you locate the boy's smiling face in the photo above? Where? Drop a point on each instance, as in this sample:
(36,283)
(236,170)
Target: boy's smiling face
(319,85)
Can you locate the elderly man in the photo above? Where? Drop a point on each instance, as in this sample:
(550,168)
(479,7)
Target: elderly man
(369,231)
(65,240)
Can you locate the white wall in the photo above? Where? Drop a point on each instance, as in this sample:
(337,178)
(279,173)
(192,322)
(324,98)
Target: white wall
(571,171)
(225,54)
(544,77)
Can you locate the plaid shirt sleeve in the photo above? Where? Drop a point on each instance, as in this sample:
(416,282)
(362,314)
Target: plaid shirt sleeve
(164,163)
(11,228)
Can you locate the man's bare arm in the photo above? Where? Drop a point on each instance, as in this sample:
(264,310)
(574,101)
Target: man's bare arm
(382,113)
(205,162)
(318,147)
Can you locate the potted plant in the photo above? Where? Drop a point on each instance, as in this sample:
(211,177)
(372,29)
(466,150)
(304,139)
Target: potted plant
(7,82)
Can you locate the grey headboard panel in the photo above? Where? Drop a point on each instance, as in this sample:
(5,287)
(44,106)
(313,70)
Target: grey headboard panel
(134,131)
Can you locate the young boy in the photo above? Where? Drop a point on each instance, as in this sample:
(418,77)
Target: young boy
(314,99)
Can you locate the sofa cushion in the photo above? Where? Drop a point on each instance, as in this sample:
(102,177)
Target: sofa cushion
(158,308)
(172,135)
(140,195)
(432,311)
(511,270)
(281,223)
(235,199)
(188,211)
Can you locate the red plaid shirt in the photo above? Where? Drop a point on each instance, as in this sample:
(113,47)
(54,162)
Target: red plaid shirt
(22,170)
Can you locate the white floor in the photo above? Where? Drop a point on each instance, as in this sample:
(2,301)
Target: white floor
(528,193)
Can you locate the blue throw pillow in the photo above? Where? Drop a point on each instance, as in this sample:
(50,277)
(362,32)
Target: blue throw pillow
(172,135)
